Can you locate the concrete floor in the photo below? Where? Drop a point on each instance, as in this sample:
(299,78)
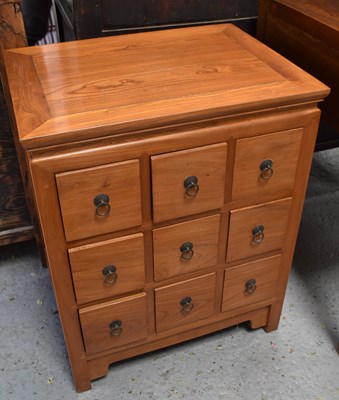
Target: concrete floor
(296,362)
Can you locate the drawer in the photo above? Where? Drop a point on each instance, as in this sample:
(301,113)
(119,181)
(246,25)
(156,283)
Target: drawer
(189,181)
(184,302)
(258,229)
(115,323)
(108,268)
(99,200)
(266,164)
(250,283)
(185,247)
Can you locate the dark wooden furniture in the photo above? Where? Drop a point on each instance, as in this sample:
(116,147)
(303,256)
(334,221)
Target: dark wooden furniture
(81,19)
(169,171)
(15,221)
(307,33)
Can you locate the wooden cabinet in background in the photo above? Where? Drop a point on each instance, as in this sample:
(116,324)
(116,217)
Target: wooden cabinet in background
(89,19)
(169,171)
(15,221)
(307,33)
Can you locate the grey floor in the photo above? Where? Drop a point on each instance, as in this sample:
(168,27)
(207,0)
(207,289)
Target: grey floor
(298,361)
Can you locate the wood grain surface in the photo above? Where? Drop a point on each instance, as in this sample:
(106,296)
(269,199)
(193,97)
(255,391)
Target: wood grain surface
(169,172)
(126,254)
(203,233)
(265,272)
(273,216)
(134,82)
(95,322)
(251,152)
(78,189)
(169,312)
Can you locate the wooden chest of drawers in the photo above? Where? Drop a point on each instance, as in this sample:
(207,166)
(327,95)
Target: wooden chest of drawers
(169,171)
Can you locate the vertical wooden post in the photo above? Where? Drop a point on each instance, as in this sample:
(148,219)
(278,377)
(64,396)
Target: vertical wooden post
(261,22)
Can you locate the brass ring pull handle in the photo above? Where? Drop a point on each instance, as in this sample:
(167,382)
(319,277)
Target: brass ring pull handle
(115,327)
(250,286)
(258,234)
(266,168)
(186,304)
(110,274)
(101,202)
(191,186)
(187,251)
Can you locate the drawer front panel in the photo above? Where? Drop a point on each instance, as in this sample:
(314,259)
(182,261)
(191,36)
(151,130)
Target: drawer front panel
(189,181)
(184,302)
(266,164)
(250,283)
(108,268)
(114,323)
(185,247)
(86,212)
(258,229)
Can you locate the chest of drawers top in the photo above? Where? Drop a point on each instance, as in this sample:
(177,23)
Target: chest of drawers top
(93,88)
